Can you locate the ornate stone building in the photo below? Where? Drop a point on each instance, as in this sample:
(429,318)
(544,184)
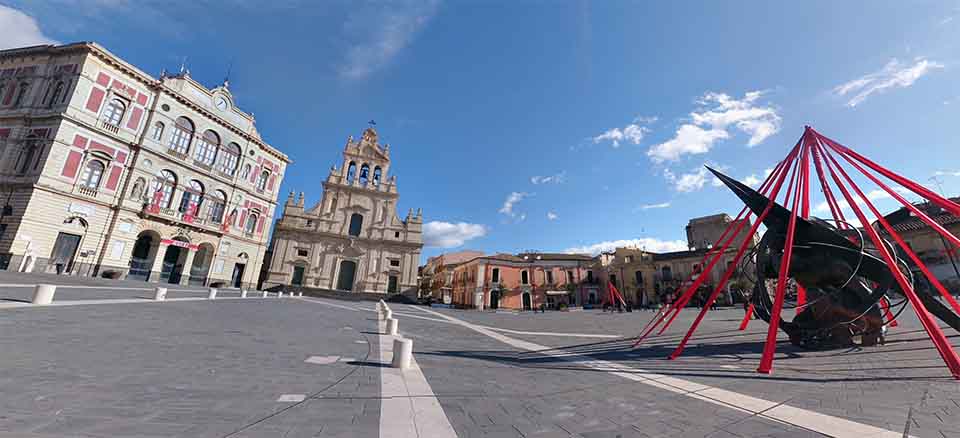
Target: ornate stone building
(352,240)
(105,170)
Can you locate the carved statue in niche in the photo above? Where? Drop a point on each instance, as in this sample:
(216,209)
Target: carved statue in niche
(137,191)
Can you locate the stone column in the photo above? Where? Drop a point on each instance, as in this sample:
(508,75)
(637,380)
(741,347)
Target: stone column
(157,265)
(187,264)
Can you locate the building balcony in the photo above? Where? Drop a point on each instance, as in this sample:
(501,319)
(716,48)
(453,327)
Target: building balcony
(86,191)
(109,127)
(176,153)
(176,215)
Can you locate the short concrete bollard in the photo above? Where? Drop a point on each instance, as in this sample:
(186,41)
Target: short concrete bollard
(279,294)
(402,353)
(299,294)
(213,294)
(388,314)
(159,294)
(393,326)
(264,294)
(43,293)
(243,293)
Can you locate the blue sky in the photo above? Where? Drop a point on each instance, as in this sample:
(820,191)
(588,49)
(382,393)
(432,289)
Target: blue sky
(556,125)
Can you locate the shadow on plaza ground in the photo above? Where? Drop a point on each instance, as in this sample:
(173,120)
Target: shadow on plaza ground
(745,355)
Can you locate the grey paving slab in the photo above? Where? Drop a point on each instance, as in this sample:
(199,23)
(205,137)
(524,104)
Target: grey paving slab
(191,369)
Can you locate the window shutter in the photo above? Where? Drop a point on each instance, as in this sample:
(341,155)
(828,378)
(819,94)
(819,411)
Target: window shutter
(72,164)
(114,177)
(95,99)
(134,121)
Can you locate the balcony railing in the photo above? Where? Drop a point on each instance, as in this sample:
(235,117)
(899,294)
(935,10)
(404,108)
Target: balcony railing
(176,153)
(104,124)
(87,191)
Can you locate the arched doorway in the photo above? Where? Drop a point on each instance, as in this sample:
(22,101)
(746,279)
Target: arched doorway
(201,265)
(144,251)
(236,279)
(173,261)
(495,299)
(527,304)
(345,279)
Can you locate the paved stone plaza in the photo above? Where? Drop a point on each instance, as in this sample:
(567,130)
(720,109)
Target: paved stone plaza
(305,367)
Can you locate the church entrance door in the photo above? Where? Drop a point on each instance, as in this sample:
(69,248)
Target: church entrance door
(345,279)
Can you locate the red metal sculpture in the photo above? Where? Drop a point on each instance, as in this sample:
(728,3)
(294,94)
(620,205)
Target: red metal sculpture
(841,277)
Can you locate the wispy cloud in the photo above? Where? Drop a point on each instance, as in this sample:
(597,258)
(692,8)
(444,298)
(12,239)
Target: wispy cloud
(20,29)
(712,121)
(632,133)
(654,206)
(379,35)
(552,179)
(947,173)
(512,199)
(551,216)
(645,243)
(873,195)
(894,74)
(439,234)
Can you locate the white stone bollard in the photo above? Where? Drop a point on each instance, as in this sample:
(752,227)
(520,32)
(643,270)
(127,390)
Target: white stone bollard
(243,293)
(213,294)
(279,294)
(300,294)
(43,293)
(393,326)
(388,314)
(402,353)
(160,294)
(264,294)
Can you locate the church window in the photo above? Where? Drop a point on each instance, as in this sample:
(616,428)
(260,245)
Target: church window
(524,279)
(57,93)
(394,262)
(351,171)
(396,234)
(302,252)
(376,175)
(364,174)
(356,223)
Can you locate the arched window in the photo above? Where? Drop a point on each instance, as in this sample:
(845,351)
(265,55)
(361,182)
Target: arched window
(364,173)
(114,112)
(251,224)
(351,171)
(57,92)
(28,154)
(165,183)
(182,135)
(21,94)
(192,195)
(262,180)
(218,204)
(356,224)
(229,159)
(92,173)
(376,175)
(157,131)
(245,173)
(207,147)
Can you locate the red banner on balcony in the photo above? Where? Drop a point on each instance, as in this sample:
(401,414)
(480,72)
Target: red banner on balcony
(154,208)
(180,243)
(191,212)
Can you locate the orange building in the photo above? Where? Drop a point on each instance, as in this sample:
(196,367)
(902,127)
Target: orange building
(525,281)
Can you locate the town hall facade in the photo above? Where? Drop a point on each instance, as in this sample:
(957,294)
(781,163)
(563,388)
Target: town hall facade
(352,240)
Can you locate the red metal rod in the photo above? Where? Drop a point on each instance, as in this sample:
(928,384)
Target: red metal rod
(827,193)
(885,306)
(804,210)
(933,329)
(746,318)
(914,187)
(678,304)
(723,281)
(766,360)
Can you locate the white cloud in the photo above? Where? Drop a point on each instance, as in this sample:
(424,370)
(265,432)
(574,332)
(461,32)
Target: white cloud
(709,124)
(552,179)
(378,36)
(449,235)
(947,173)
(20,29)
(687,182)
(752,181)
(653,206)
(893,75)
(551,216)
(645,243)
(512,199)
(633,133)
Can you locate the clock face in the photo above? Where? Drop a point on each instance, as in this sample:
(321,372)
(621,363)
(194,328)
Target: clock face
(220,103)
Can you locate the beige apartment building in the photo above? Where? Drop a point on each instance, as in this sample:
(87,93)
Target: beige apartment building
(108,171)
(352,240)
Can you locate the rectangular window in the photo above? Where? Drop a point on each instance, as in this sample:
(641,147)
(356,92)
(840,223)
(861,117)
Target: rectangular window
(394,262)
(549,276)
(302,252)
(495,275)
(524,279)
(570,277)
(397,234)
(627,259)
(638,276)
(613,279)
(590,277)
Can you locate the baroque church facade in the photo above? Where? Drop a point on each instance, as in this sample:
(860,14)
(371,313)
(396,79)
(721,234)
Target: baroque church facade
(353,239)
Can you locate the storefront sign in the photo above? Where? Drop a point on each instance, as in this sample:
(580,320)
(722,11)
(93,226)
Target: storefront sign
(180,243)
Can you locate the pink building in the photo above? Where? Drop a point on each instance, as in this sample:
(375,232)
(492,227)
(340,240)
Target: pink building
(525,281)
